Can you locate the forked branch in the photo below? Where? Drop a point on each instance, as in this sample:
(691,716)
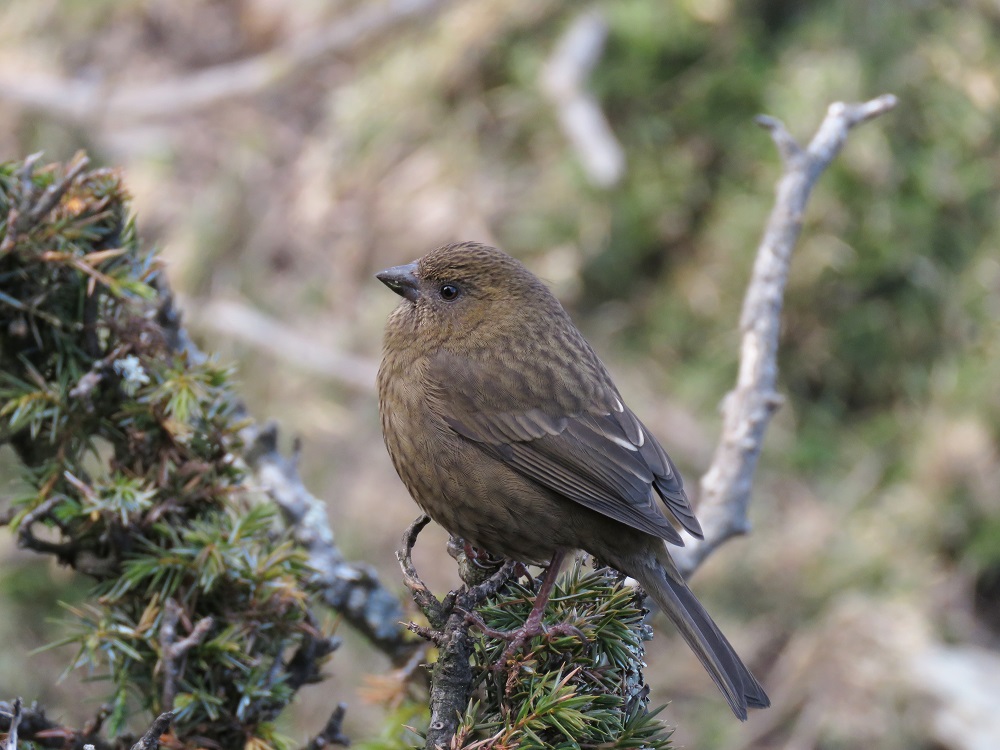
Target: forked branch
(747,409)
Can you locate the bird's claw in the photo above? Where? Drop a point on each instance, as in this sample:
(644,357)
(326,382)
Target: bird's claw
(474,618)
(517,637)
(481,558)
(521,570)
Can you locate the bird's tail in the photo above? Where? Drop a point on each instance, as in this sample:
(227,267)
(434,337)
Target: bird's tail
(703,636)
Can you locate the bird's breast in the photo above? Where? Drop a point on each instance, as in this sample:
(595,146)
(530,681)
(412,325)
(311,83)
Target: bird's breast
(468,492)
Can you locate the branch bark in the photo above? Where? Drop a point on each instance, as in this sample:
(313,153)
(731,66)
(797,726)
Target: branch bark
(33,725)
(451,682)
(151,739)
(85,101)
(332,733)
(564,80)
(174,650)
(351,588)
(15,721)
(747,410)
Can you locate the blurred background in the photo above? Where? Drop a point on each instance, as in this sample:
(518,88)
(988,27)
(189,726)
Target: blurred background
(282,151)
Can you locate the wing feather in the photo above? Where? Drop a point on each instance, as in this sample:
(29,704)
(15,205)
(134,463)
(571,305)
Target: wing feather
(602,456)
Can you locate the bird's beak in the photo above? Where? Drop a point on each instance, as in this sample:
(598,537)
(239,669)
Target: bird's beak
(401,279)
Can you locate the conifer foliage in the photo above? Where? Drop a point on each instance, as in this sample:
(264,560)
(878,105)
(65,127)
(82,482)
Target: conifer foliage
(129,439)
(569,691)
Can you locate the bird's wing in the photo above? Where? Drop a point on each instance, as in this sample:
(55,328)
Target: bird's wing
(595,452)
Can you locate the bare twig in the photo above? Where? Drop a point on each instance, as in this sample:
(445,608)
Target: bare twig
(151,739)
(351,588)
(71,553)
(451,682)
(747,410)
(173,650)
(92,727)
(332,733)
(435,611)
(15,722)
(41,731)
(428,634)
(304,666)
(85,101)
(270,335)
(26,538)
(54,193)
(564,80)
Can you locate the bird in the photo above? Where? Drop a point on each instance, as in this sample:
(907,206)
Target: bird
(507,430)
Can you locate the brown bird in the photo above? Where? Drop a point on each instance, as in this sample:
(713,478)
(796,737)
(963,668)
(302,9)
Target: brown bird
(507,430)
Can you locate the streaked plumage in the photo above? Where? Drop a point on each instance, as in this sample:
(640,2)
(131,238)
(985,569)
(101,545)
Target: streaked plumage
(507,430)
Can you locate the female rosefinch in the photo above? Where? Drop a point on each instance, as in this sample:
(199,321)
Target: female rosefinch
(507,430)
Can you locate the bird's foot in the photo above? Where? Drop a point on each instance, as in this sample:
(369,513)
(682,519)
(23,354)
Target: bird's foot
(488,561)
(517,637)
(533,625)
(521,571)
(480,557)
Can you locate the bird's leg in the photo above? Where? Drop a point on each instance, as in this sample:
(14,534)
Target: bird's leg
(533,626)
(521,571)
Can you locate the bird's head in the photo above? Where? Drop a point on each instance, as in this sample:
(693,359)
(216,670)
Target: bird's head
(465,289)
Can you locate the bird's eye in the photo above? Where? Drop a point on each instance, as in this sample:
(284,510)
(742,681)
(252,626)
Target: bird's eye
(449,292)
